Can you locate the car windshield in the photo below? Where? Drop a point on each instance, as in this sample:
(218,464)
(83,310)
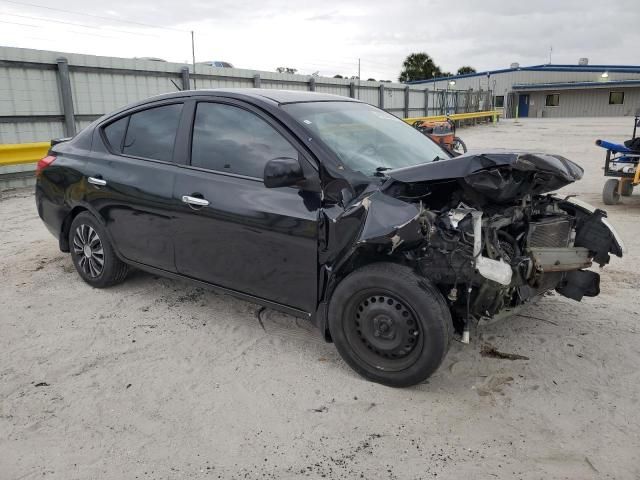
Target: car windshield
(364,137)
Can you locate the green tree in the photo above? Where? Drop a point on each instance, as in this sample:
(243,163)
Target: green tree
(338,76)
(466,69)
(418,66)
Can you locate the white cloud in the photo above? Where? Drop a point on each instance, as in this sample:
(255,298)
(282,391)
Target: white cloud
(330,36)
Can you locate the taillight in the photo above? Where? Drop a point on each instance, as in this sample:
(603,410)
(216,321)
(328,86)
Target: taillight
(44,163)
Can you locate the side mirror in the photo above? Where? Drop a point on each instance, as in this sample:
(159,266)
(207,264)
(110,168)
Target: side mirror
(282,172)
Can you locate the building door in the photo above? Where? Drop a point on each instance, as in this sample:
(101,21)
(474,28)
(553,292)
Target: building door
(523,105)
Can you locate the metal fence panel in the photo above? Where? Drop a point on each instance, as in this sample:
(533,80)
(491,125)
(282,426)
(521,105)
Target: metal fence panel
(31,106)
(24,132)
(368,94)
(28,91)
(333,89)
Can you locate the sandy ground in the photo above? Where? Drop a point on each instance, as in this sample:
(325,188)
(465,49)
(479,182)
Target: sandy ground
(156,378)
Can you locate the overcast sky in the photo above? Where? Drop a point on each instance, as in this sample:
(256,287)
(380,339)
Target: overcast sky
(330,35)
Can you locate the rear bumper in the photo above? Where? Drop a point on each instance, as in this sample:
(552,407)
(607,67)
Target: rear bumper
(51,211)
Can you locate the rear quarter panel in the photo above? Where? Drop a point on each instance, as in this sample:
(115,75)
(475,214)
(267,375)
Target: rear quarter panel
(61,182)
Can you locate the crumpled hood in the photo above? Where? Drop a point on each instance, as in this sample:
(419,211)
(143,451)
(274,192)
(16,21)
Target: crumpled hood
(499,175)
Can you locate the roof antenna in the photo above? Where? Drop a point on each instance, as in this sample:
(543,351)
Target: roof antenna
(550,52)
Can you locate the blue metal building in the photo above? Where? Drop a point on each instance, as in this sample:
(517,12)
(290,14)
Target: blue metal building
(553,90)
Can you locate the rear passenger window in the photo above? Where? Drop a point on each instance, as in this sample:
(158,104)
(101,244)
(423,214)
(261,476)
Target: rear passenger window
(152,133)
(234,140)
(115,133)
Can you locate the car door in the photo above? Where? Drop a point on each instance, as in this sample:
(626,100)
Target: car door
(234,232)
(130,177)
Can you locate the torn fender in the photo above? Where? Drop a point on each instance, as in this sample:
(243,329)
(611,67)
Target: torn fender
(375,220)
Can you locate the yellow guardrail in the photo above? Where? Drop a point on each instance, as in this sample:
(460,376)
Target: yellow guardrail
(493,114)
(18,153)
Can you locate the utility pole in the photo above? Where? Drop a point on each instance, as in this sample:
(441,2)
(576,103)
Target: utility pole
(193,59)
(358,79)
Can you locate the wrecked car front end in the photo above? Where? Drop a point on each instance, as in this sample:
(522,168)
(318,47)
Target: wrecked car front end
(483,228)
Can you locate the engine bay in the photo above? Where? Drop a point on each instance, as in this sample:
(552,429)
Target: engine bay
(483,228)
(488,261)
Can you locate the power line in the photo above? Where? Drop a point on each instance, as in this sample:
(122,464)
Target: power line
(21,24)
(93,34)
(81,25)
(349,64)
(327,64)
(114,19)
(342,62)
(351,67)
(337,66)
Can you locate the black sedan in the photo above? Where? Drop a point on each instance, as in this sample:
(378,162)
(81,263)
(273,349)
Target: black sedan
(323,207)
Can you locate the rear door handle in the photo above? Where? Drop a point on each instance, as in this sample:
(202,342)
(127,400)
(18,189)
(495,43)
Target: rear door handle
(97,181)
(199,202)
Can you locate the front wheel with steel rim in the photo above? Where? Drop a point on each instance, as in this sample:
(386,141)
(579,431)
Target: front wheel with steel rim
(390,324)
(92,253)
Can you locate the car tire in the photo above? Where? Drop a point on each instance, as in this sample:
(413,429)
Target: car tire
(389,324)
(89,246)
(458,145)
(610,194)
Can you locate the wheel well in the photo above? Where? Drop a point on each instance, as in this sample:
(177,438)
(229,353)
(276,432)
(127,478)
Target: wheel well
(362,258)
(359,259)
(66,225)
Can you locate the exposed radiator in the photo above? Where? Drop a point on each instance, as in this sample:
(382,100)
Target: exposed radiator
(549,232)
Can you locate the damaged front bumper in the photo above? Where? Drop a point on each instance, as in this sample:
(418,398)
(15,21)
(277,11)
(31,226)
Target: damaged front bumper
(540,268)
(481,228)
(593,239)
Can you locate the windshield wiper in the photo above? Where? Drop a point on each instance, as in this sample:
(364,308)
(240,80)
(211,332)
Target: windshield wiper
(379,171)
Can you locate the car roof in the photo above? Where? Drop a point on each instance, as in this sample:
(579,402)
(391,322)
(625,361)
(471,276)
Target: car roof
(266,95)
(283,96)
(268,98)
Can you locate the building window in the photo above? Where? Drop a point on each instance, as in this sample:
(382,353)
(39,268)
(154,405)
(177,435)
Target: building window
(553,100)
(500,101)
(616,98)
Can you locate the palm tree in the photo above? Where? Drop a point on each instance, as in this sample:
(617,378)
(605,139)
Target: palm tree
(418,66)
(466,69)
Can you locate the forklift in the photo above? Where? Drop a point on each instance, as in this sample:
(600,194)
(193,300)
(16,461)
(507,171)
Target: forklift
(621,163)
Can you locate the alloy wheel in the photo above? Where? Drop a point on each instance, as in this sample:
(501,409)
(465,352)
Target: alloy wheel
(87,246)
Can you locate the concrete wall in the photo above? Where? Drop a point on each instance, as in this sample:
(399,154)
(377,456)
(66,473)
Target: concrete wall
(31,81)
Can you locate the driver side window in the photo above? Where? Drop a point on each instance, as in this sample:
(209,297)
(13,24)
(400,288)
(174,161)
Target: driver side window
(230,139)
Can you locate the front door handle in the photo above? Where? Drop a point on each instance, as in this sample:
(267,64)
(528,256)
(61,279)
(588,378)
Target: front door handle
(198,202)
(97,181)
